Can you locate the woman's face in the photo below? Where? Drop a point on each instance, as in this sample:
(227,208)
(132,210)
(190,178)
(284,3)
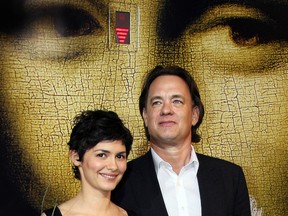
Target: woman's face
(102,166)
(61,60)
(241,67)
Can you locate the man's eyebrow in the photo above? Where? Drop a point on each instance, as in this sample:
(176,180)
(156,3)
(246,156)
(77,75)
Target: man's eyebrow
(177,96)
(156,97)
(176,16)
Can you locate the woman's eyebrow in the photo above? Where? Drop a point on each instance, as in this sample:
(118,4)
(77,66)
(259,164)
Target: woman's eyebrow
(101,150)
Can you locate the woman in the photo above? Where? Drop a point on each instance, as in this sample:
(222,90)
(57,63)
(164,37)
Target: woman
(98,148)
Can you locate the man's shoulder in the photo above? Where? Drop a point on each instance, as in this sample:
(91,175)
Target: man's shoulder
(141,167)
(217,162)
(142,160)
(209,165)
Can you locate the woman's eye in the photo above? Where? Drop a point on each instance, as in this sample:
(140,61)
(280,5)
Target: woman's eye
(121,156)
(101,155)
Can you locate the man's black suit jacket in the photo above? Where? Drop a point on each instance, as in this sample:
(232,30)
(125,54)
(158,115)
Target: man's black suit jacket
(222,186)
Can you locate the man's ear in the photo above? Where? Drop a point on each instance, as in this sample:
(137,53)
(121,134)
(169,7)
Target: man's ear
(144,116)
(195,115)
(74,157)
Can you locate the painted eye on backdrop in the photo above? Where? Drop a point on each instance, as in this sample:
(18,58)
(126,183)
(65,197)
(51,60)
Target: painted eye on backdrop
(245,26)
(72,22)
(63,21)
(238,38)
(61,32)
(251,32)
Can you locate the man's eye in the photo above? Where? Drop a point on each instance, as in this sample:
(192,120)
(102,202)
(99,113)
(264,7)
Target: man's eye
(177,101)
(72,22)
(249,32)
(154,103)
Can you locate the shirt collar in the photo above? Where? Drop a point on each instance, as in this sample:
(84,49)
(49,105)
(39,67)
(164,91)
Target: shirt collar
(158,161)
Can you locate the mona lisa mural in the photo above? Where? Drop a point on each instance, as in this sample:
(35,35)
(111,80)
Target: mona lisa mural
(59,57)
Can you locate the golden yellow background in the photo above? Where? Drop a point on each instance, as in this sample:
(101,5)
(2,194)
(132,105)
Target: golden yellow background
(48,78)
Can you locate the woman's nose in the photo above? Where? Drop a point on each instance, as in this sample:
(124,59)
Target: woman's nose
(112,164)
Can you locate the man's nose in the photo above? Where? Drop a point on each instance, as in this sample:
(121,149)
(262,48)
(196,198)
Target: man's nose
(166,108)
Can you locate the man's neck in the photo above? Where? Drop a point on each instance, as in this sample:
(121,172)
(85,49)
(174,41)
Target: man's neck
(177,156)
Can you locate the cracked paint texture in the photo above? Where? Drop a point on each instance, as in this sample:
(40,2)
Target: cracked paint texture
(48,77)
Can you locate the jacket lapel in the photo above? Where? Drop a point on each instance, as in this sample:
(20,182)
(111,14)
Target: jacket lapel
(210,186)
(148,187)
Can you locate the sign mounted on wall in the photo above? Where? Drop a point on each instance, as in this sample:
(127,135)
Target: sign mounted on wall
(123,27)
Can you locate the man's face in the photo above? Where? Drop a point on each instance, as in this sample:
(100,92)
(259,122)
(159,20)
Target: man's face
(169,113)
(239,58)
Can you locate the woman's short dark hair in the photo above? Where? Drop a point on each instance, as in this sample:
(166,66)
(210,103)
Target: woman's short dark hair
(94,126)
(193,89)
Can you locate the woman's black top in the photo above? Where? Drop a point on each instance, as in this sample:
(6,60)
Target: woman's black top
(55,211)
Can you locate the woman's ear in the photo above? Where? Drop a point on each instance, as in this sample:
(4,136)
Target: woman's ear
(74,157)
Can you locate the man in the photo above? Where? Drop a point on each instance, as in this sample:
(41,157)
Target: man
(237,51)
(171,178)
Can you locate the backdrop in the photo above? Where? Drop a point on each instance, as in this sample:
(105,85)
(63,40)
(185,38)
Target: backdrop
(60,57)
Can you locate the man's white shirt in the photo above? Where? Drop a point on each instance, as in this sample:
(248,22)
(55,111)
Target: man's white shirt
(180,192)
